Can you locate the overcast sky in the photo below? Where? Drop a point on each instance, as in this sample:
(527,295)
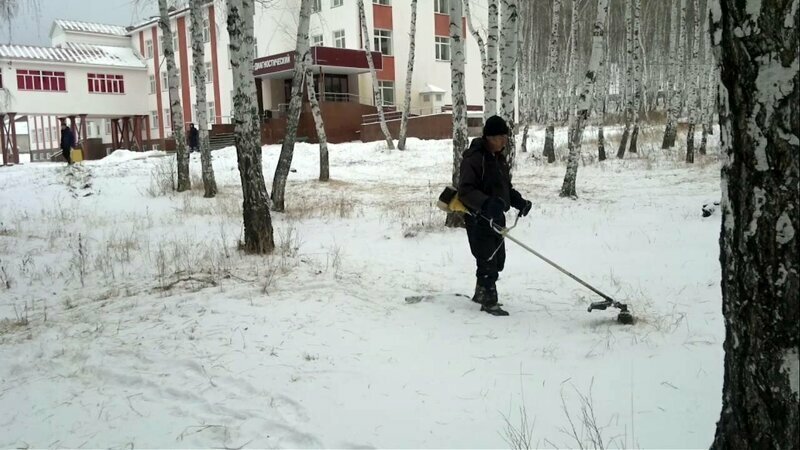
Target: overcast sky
(33,28)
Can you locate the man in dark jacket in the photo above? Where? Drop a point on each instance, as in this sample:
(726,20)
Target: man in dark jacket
(67,142)
(485,188)
(194,139)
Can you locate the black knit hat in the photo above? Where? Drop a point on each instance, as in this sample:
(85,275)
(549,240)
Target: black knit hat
(495,126)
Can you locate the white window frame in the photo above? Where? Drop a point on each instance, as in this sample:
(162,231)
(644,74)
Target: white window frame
(336,3)
(317,40)
(336,39)
(167,118)
(211,116)
(148,48)
(164,81)
(379,35)
(382,2)
(206,29)
(153,89)
(209,73)
(440,43)
(175,40)
(441,6)
(316,6)
(385,85)
(153,120)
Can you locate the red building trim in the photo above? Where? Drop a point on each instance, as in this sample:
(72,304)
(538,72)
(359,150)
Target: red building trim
(212,25)
(184,50)
(441,25)
(387,73)
(157,70)
(382,17)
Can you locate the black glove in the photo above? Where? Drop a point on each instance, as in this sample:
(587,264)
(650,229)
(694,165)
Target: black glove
(494,207)
(526,208)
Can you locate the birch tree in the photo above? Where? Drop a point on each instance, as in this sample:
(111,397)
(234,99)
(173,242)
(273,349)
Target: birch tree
(694,83)
(295,105)
(601,97)
(412,34)
(584,105)
(486,72)
(376,93)
(492,41)
(623,143)
(178,133)
(322,136)
(638,84)
(709,91)
(199,71)
(549,148)
(258,236)
(758,42)
(671,128)
(509,50)
(457,63)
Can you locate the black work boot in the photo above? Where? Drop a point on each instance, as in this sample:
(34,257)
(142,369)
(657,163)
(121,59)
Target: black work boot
(490,304)
(482,294)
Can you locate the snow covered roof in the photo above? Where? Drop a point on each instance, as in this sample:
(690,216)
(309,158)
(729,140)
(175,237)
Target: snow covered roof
(90,27)
(75,54)
(431,89)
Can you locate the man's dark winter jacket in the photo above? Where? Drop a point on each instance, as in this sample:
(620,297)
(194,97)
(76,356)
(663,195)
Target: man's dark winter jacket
(485,175)
(194,137)
(67,139)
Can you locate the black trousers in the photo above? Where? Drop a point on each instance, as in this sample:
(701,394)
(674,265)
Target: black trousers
(66,153)
(483,242)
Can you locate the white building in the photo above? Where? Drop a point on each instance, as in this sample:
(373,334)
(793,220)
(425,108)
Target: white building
(108,73)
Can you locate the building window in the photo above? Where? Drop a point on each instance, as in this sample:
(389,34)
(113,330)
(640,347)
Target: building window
(41,80)
(426,97)
(167,118)
(209,73)
(153,119)
(107,124)
(316,6)
(338,39)
(441,6)
(383,41)
(255,48)
(206,29)
(316,40)
(211,113)
(438,97)
(387,92)
(105,84)
(174,39)
(336,3)
(382,2)
(148,48)
(442,48)
(152,84)
(164,81)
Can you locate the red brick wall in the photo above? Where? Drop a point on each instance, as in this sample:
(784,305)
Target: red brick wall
(438,126)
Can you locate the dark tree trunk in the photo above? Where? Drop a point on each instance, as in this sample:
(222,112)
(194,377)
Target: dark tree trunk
(760,223)
(549,149)
(690,143)
(703,140)
(601,144)
(634,146)
(624,142)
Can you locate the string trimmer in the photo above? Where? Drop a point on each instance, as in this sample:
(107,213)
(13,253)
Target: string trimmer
(449,202)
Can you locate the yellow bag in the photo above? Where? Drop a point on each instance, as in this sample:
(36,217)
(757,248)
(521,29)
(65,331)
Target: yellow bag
(76,155)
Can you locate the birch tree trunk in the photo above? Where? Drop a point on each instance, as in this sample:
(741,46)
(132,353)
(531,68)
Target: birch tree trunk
(603,92)
(509,50)
(549,148)
(578,122)
(199,71)
(623,143)
(258,236)
(671,129)
(295,106)
(460,137)
(694,83)
(376,93)
(324,163)
(525,71)
(184,182)
(709,92)
(759,246)
(401,144)
(638,83)
(492,45)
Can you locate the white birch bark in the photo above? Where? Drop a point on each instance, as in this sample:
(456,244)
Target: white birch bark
(376,93)
(485,66)
(457,63)
(549,148)
(623,143)
(295,106)
(184,182)
(199,72)
(694,83)
(671,128)
(322,136)
(638,80)
(258,236)
(492,45)
(584,105)
(412,35)
(709,91)
(508,91)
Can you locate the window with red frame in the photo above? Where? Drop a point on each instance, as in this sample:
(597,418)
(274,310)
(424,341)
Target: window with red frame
(106,84)
(41,80)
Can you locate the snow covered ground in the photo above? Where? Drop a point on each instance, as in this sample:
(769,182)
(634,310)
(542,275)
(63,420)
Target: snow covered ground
(129,319)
